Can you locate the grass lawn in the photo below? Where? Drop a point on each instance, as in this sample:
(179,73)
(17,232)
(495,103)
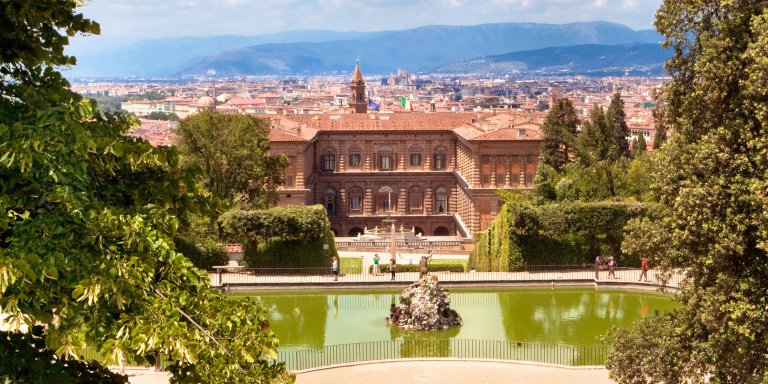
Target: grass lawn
(351,265)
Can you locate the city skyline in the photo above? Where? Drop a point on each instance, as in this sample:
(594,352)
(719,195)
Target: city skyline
(130,20)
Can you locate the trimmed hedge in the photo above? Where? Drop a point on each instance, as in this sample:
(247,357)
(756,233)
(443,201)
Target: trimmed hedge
(433,267)
(566,233)
(282,237)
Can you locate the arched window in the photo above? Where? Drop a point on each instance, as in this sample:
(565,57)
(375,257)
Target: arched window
(355,157)
(415,200)
(330,201)
(441,201)
(386,200)
(414,153)
(438,159)
(418,230)
(355,200)
(442,231)
(386,158)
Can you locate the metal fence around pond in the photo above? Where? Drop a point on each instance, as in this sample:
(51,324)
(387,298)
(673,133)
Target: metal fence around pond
(565,355)
(225,277)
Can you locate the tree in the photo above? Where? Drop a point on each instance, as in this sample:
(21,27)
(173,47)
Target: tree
(713,178)
(639,146)
(618,130)
(660,137)
(598,149)
(87,225)
(233,152)
(559,131)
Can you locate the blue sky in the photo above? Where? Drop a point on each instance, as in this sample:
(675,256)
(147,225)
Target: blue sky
(139,19)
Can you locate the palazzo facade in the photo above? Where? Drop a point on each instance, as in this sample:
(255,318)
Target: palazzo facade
(435,172)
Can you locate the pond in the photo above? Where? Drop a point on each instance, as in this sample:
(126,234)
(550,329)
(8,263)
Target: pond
(568,316)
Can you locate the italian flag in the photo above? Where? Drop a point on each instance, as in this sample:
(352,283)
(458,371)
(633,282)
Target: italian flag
(405,103)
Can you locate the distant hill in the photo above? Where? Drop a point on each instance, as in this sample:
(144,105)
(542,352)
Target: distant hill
(579,59)
(157,57)
(328,52)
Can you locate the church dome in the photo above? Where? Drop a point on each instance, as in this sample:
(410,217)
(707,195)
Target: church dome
(206,102)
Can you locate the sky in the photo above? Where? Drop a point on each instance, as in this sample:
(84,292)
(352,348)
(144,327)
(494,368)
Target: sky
(141,19)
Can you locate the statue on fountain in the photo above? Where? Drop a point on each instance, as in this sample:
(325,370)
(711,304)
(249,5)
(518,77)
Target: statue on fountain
(424,306)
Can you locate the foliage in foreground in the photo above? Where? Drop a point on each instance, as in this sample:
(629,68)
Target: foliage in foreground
(87,226)
(712,178)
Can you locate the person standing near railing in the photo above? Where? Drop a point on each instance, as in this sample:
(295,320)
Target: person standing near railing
(335,268)
(392,264)
(611,268)
(644,267)
(376,270)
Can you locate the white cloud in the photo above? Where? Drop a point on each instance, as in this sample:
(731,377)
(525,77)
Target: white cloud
(601,3)
(630,4)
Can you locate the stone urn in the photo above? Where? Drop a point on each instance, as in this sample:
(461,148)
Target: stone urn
(424,306)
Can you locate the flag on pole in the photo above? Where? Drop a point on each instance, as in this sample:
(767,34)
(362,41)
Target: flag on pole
(405,103)
(373,105)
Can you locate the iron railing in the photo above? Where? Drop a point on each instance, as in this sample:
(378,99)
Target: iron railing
(557,354)
(224,277)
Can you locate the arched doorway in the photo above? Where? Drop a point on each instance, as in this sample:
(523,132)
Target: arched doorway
(355,231)
(442,231)
(418,230)
(329,201)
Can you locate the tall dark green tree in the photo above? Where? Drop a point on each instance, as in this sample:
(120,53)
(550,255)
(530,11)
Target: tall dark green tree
(233,152)
(87,217)
(559,130)
(617,120)
(597,147)
(712,178)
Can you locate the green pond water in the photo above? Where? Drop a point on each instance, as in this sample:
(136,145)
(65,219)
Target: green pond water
(569,316)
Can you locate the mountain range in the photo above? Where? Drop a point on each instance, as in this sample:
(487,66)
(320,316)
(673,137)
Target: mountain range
(485,47)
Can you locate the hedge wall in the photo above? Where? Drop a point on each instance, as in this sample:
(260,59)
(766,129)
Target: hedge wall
(282,237)
(566,233)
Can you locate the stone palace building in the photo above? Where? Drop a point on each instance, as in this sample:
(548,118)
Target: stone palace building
(436,172)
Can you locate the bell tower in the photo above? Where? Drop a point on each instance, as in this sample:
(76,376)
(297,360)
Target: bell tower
(358,102)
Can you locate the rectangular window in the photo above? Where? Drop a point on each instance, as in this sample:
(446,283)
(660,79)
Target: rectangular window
(486,159)
(439,161)
(356,203)
(531,159)
(528,179)
(290,181)
(500,179)
(354,160)
(329,162)
(415,159)
(486,179)
(514,159)
(385,163)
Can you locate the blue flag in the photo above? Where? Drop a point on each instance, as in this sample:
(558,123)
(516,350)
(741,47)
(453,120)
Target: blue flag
(373,105)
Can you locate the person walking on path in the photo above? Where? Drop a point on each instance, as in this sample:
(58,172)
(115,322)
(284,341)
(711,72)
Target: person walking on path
(424,265)
(644,267)
(392,264)
(376,270)
(611,268)
(335,268)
